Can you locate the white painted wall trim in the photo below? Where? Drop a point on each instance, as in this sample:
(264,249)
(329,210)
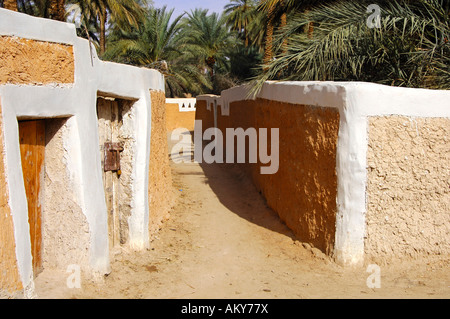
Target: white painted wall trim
(184,105)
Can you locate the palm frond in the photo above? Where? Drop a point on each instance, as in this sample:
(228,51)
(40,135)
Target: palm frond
(409,48)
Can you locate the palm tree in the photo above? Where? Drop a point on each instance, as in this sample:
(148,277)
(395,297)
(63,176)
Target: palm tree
(126,13)
(269,8)
(279,10)
(10,4)
(239,14)
(274,8)
(57,10)
(53,9)
(410,48)
(208,38)
(156,44)
(38,8)
(149,44)
(257,29)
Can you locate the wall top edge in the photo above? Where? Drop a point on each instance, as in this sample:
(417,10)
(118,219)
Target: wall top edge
(35,28)
(117,78)
(182,100)
(359,98)
(184,104)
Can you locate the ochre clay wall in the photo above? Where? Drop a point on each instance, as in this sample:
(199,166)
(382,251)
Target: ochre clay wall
(9,276)
(408,187)
(24,61)
(303,191)
(202,113)
(176,119)
(160,191)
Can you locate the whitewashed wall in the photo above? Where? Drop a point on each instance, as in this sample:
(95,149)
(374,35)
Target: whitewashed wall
(78,101)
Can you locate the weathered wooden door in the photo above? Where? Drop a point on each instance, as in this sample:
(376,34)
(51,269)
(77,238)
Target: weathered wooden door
(108,113)
(32,149)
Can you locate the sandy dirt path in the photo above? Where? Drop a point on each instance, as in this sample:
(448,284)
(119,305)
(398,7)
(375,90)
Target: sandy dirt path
(222,241)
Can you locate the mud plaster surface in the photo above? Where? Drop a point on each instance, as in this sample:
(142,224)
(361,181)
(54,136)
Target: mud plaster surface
(202,113)
(65,229)
(176,119)
(31,62)
(303,191)
(408,210)
(160,190)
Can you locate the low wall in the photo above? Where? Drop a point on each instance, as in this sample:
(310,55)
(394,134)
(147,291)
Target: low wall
(160,196)
(180,113)
(408,196)
(205,112)
(363,168)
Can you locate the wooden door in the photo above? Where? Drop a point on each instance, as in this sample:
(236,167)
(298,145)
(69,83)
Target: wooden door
(32,149)
(108,113)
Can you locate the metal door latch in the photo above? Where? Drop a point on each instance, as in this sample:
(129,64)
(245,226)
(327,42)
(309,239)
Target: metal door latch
(112,156)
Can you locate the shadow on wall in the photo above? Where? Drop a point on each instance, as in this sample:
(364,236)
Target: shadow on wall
(303,189)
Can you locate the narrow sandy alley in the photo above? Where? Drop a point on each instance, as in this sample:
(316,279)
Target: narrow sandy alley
(222,241)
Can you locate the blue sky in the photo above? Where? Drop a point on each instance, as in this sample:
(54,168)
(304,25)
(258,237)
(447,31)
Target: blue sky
(187,5)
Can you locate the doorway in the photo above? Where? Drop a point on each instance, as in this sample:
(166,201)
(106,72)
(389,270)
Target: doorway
(116,141)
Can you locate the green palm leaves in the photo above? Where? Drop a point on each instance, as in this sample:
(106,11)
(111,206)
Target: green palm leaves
(100,13)
(208,36)
(240,14)
(260,40)
(410,47)
(187,50)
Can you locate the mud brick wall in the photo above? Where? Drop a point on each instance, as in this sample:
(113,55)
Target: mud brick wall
(63,219)
(31,62)
(176,119)
(363,168)
(206,116)
(408,187)
(303,191)
(160,191)
(48,72)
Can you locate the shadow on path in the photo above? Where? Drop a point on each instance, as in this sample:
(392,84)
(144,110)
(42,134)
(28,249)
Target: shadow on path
(237,192)
(231,185)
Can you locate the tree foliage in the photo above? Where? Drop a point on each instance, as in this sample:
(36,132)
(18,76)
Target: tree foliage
(259,40)
(409,48)
(157,44)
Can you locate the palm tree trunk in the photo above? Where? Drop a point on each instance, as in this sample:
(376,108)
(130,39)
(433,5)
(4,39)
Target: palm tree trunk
(246,37)
(10,5)
(57,10)
(103,17)
(310,30)
(283,23)
(268,49)
(211,62)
